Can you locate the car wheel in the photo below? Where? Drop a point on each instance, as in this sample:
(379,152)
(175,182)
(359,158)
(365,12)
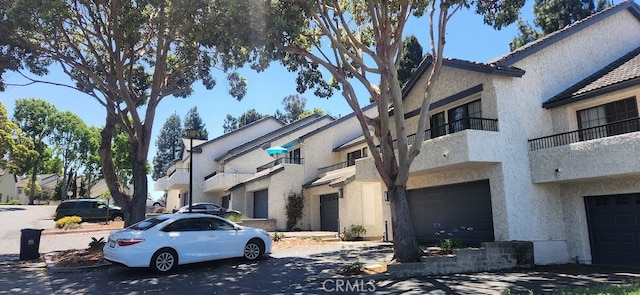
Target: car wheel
(118,218)
(253,249)
(164,260)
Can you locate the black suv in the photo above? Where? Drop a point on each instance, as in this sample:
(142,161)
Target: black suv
(89,210)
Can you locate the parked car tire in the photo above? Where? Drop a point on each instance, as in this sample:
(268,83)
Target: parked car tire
(164,260)
(254,249)
(118,218)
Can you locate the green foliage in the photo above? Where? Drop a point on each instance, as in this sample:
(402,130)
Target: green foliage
(551,16)
(295,207)
(358,230)
(12,202)
(97,244)
(234,217)
(447,245)
(278,236)
(168,145)
(410,59)
(353,268)
(69,222)
(354,232)
(193,121)
(232,123)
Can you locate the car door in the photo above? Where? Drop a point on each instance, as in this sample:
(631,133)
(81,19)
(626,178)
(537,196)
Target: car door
(226,241)
(190,239)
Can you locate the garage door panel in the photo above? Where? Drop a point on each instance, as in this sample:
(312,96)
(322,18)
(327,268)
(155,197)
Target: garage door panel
(614,229)
(451,207)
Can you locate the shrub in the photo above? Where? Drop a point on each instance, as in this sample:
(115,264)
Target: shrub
(346,235)
(358,230)
(235,217)
(295,205)
(15,202)
(276,237)
(447,245)
(69,222)
(350,269)
(96,244)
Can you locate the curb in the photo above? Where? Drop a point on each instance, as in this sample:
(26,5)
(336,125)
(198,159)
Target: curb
(77,231)
(52,268)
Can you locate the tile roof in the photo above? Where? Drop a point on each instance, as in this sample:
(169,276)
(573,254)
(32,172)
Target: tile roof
(619,74)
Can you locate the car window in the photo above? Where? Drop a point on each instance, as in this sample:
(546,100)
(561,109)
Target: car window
(218,224)
(188,224)
(199,206)
(86,205)
(67,205)
(211,207)
(101,205)
(146,224)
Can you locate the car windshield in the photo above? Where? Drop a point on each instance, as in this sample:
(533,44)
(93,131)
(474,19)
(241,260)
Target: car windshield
(147,223)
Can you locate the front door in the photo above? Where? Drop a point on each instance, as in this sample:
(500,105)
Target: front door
(261,204)
(329,213)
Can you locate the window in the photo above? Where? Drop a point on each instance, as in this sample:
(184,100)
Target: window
(353,156)
(438,125)
(294,157)
(465,117)
(608,119)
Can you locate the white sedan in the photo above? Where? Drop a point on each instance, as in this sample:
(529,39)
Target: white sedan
(165,241)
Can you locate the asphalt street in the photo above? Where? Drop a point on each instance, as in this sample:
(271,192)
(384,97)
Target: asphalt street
(301,270)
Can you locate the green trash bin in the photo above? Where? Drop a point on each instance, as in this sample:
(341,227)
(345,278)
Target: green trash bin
(30,243)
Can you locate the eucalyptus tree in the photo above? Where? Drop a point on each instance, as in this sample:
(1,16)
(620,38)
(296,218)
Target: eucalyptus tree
(35,118)
(360,42)
(130,55)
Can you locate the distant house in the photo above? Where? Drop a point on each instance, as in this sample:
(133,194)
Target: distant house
(46,181)
(8,182)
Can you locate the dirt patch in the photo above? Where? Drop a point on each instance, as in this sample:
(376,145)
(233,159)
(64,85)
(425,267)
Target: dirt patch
(78,258)
(298,242)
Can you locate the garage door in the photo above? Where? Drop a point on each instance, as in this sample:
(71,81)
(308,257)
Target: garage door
(329,212)
(261,204)
(460,211)
(614,229)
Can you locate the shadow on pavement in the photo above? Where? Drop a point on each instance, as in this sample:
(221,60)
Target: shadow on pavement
(23,277)
(3,208)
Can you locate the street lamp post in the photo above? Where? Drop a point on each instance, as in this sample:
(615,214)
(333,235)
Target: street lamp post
(191,133)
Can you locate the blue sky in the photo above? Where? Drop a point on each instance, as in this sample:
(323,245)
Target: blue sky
(467,38)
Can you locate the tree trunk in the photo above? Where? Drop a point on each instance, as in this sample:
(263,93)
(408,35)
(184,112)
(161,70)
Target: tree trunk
(405,244)
(133,206)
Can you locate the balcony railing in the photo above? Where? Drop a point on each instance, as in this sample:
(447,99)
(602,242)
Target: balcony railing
(177,170)
(279,161)
(611,129)
(456,126)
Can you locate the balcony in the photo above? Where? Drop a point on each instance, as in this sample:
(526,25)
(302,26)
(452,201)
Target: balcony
(285,160)
(604,151)
(456,126)
(177,178)
(220,180)
(478,145)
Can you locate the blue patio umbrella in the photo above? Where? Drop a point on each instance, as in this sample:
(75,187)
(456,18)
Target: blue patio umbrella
(276,150)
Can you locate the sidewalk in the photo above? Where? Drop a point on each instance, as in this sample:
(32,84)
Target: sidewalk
(23,277)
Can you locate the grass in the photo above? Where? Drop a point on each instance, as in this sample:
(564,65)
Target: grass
(626,289)
(632,288)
